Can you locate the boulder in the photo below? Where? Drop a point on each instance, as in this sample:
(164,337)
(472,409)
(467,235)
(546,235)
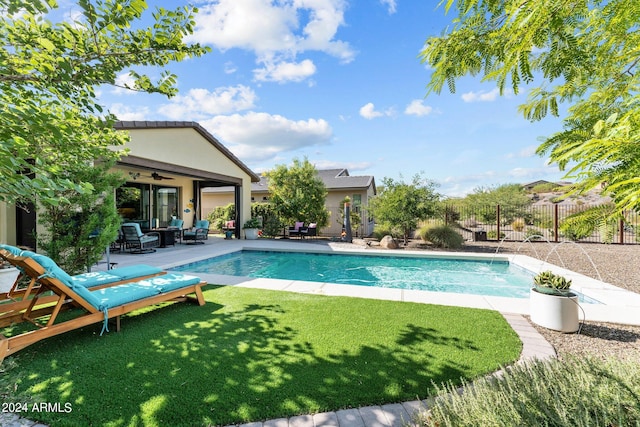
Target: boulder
(388,242)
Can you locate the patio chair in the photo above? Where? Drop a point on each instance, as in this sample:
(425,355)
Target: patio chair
(310,231)
(198,233)
(96,305)
(296,230)
(137,241)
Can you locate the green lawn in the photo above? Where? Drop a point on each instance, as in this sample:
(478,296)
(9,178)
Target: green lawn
(251,355)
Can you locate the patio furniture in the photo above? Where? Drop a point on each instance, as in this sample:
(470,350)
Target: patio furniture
(97,305)
(296,230)
(137,241)
(198,233)
(19,297)
(310,231)
(176,224)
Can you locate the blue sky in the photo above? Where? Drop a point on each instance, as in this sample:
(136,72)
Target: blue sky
(340,83)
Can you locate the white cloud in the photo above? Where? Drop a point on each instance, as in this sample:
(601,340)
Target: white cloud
(481,96)
(417,108)
(230,68)
(125,112)
(200,103)
(267,27)
(526,152)
(276,31)
(368,111)
(391,6)
(261,136)
(285,71)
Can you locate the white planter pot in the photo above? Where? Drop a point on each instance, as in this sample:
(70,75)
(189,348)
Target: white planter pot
(559,313)
(251,233)
(8,277)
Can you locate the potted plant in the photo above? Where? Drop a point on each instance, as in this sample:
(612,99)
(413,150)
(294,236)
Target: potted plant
(251,228)
(552,304)
(8,276)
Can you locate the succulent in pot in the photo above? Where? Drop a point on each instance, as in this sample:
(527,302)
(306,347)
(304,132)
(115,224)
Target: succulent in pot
(548,282)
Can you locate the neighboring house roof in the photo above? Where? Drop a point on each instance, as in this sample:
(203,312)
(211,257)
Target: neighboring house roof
(333,179)
(129,125)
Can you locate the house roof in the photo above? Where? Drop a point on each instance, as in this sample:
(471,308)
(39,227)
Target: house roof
(333,179)
(129,125)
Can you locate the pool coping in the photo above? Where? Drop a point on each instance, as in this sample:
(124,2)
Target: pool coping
(618,305)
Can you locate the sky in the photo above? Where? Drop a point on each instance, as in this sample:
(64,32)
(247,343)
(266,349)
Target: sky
(340,83)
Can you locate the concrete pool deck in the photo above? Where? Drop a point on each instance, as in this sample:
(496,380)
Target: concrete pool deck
(620,306)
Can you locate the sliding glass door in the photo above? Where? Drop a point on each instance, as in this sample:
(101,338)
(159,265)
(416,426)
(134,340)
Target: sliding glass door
(148,205)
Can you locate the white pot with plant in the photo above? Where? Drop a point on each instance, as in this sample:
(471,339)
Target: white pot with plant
(8,276)
(552,304)
(251,229)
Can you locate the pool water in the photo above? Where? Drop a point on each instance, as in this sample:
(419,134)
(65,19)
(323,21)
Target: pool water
(479,277)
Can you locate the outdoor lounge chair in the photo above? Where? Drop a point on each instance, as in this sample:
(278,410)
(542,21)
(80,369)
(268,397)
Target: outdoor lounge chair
(18,297)
(96,305)
(137,241)
(198,233)
(296,230)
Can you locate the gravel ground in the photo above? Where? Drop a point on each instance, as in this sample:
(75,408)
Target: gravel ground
(618,265)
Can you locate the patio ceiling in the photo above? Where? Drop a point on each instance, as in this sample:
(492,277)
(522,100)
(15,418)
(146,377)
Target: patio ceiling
(206,178)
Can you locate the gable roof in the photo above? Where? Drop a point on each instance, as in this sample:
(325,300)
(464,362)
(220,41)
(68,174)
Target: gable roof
(333,179)
(130,125)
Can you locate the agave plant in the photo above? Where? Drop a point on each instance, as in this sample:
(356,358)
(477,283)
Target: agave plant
(548,282)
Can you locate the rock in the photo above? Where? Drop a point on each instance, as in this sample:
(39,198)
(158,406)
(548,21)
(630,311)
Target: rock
(388,242)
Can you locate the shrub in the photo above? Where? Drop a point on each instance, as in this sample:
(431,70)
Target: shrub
(493,235)
(442,236)
(518,224)
(576,392)
(381,230)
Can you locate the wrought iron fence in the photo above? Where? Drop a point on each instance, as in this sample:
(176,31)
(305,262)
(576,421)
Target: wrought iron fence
(554,223)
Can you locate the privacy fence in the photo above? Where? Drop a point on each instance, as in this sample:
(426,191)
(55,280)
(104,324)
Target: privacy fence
(554,223)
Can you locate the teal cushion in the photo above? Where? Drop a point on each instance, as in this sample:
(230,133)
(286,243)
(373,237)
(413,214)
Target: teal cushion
(116,275)
(203,223)
(171,281)
(53,269)
(137,270)
(123,294)
(95,278)
(11,249)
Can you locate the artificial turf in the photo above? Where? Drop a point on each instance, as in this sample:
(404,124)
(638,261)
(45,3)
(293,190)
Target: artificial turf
(250,355)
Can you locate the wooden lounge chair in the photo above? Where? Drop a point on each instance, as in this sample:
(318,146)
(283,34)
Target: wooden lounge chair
(18,297)
(96,305)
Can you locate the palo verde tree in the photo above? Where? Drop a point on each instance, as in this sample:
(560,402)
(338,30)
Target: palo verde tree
(403,205)
(49,73)
(298,193)
(582,55)
(53,125)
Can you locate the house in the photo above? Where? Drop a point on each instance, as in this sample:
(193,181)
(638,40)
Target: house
(168,166)
(339,185)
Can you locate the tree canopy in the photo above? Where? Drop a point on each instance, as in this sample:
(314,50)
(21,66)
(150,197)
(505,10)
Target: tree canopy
(402,205)
(580,54)
(298,193)
(49,73)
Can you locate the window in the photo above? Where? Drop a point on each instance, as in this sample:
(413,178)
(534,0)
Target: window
(143,203)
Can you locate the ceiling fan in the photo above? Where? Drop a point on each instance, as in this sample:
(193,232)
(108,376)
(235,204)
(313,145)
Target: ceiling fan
(156,176)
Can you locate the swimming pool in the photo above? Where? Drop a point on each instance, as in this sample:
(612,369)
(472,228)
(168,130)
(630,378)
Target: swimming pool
(456,275)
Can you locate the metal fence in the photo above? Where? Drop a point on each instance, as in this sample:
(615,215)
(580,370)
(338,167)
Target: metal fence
(554,223)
